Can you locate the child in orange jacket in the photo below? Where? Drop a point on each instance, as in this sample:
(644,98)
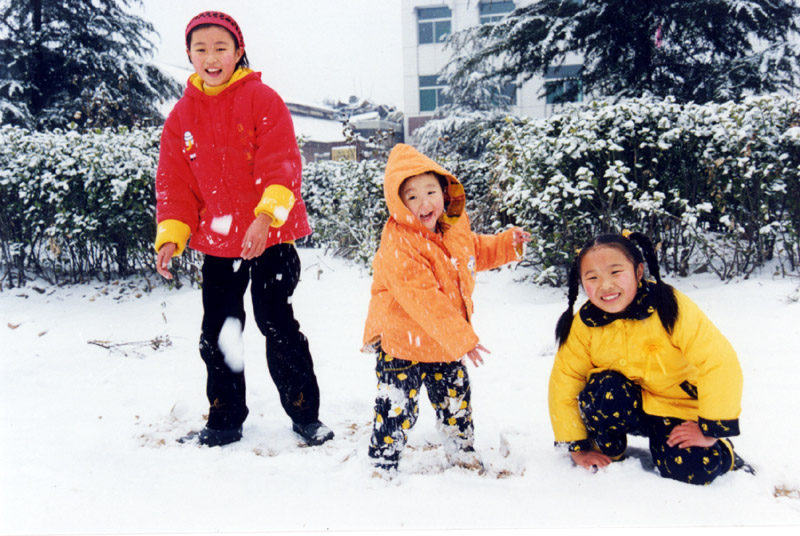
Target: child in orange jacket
(421,307)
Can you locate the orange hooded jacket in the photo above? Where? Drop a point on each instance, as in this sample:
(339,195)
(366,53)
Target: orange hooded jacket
(422,286)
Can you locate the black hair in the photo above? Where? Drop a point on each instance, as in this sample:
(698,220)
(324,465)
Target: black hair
(665,300)
(441,179)
(243,61)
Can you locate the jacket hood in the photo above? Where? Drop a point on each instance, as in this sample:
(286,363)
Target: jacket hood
(404,162)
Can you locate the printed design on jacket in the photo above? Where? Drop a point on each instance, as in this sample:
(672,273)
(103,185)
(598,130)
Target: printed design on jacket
(247,137)
(188,145)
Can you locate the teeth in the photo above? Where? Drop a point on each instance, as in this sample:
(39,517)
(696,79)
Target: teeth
(609,298)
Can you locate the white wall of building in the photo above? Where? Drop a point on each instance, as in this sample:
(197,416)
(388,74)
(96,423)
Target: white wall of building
(429,59)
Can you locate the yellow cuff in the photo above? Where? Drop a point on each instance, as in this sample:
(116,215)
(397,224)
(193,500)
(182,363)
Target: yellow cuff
(173,231)
(276,203)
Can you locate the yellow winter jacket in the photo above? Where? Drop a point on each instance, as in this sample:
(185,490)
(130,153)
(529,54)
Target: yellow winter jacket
(421,303)
(693,374)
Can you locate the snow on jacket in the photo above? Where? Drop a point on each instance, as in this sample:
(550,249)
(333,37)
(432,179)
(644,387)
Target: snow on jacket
(693,374)
(223,159)
(422,286)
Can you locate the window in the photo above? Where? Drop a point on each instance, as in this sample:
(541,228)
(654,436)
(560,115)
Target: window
(431,93)
(433,24)
(494,11)
(563,84)
(510,91)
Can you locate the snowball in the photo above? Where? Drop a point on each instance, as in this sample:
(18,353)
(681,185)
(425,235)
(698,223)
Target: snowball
(222,224)
(281,214)
(231,343)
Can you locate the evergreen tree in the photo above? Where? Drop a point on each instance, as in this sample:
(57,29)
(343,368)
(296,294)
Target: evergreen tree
(81,61)
(694,50)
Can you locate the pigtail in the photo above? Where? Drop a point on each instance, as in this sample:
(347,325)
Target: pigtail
(565,321)
(666,302)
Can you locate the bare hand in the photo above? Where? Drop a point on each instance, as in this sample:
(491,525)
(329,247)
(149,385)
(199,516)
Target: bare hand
(164,257)
(688,434)
(255,239)
(520,237)
(475,356)
(590,459)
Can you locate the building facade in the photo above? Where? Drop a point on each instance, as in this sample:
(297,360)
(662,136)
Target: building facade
(426,25)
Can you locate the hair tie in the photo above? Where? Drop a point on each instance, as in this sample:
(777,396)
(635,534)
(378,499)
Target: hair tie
(578,251)
(626,233)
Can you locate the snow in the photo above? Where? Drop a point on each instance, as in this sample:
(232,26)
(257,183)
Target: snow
(222,224)
(231,343)
(89,431)
(318,129)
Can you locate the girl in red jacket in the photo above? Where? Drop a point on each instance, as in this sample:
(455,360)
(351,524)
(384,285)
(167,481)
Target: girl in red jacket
(229,177)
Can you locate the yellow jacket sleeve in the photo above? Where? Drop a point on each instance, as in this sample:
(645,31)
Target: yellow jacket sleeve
(276,203)
(571,369)
(173,231)
(719,374)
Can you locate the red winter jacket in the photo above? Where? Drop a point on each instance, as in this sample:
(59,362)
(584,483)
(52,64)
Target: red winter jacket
(218,156)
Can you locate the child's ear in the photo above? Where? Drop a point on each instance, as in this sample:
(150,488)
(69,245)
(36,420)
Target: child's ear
(640,271)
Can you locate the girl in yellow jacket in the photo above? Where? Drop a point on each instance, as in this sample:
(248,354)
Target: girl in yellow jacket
(421,306)
(641,358)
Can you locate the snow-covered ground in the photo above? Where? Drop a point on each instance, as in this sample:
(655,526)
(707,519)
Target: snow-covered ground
(98,381)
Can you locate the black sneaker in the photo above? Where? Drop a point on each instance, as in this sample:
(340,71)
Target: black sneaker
(213,438)
(739,463)
(315,433)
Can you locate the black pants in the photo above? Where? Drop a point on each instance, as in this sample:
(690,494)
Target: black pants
(273,277)
(611,408)
(397,405)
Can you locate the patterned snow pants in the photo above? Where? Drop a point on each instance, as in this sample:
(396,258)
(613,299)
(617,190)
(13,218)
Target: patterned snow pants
(611,408)
(397,409)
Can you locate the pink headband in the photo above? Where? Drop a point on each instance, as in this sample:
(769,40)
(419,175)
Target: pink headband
(220,19)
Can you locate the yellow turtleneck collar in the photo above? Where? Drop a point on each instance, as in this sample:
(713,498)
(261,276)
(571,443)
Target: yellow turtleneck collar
(197,82)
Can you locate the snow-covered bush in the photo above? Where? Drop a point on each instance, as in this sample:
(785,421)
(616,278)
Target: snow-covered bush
(345,206)
(465,133)
(76,205)
(708,182)
(717,185)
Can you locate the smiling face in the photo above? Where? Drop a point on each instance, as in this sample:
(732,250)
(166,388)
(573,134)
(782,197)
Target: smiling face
(609,278)
(213,54)
(423,196)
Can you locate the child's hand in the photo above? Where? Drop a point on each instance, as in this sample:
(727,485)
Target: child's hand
(687,435)
(520,237)
(164,257)
(255,239)
(590,459)
(475,356)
